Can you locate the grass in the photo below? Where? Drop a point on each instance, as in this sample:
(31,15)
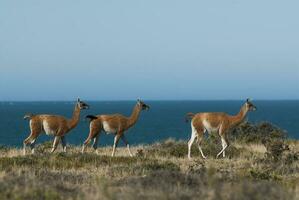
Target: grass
(256,170)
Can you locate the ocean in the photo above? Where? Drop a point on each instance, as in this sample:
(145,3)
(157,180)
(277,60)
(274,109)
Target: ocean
(165,119)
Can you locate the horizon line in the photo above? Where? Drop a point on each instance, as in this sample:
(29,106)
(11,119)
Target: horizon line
(113,100)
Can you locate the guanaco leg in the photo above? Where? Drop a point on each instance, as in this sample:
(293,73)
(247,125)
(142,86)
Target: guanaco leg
(95,143)
(196,133)
(200,135)
(31,139)
(32,145)
(92,134)
(190,142)
(95,128)
(63,143)
(127,144)
(116,139)
(224,141)
(55,143)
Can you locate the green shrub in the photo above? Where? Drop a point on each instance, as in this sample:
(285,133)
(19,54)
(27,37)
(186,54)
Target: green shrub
(255,133)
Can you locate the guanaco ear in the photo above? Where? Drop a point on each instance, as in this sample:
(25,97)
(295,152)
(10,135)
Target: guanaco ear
(78,100)
(138,102)
(247,100)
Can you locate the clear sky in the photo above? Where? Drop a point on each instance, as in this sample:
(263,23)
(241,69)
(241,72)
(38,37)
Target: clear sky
(153,49)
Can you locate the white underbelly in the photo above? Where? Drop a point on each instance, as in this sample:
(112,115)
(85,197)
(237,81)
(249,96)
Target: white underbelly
(47,129)
(107,128)
(209,127)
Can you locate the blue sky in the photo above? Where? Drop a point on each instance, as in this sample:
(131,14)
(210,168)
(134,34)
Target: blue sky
(157,49)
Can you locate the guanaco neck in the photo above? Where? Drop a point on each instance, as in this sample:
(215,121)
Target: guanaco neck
(134,116)
(75,118)
(237,119)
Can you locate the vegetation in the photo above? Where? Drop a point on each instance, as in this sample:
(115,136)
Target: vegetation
(248,132)
(258,166)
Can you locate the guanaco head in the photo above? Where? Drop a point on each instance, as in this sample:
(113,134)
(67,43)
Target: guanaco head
(250,106)
(82,105)
(142,105)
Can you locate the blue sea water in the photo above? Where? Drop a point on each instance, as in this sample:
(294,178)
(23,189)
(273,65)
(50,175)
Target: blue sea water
(165,118)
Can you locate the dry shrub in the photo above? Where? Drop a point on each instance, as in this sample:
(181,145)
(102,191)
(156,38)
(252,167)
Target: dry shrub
(40,184)
(275,148)
(177,185)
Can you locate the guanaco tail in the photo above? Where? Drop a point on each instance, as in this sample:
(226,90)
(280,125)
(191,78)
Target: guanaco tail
(215,122)
(116,124)
(54,125)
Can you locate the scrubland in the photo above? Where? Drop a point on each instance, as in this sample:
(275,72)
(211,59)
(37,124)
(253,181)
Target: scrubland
(261,163)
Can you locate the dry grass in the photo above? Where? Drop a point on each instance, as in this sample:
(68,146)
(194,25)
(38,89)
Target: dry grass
(159,171)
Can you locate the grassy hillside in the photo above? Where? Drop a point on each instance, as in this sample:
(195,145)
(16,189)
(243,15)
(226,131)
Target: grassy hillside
(255,170)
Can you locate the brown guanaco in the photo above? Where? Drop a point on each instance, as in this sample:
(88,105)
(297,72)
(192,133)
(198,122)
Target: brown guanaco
(215,122)
(116,124)
(54,125)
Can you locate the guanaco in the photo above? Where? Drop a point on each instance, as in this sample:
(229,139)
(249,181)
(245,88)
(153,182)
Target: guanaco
(116,124)
(215,122)
(54,125)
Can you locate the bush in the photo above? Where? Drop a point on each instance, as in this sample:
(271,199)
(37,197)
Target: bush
(170,148)
(251,133)
(275,148)
(266,174)
(291,157)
